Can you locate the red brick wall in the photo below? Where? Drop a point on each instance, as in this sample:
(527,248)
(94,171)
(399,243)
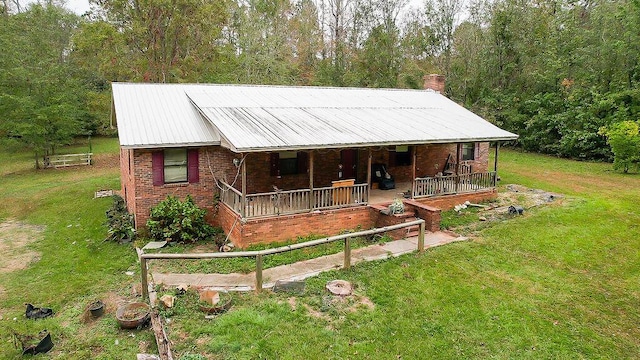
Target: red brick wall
(127,180)
(145,195)
(430,214)
(447,202)
(328,223)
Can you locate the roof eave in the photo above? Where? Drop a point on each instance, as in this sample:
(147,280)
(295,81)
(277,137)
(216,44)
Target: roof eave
(365,145)
(176,145)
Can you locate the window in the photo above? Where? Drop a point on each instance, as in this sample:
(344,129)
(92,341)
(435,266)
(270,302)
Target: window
(468,151)
(400,157)
(175,165)
(288,163)
(178,165)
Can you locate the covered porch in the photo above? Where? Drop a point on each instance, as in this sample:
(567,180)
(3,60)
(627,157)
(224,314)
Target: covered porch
(343,178)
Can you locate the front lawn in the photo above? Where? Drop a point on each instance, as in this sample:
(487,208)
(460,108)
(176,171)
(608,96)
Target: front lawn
(557,282)
(72,266)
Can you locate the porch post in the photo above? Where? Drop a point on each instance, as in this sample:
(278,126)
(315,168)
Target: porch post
(243,211)
(311,199)
(458,146)
(369,156)
(413,170)
(495,165)
(495,158)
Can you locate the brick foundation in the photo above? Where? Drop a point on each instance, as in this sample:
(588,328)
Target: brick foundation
(282,228)
(448,202)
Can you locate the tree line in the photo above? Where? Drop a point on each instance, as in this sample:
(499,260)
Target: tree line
(557,72)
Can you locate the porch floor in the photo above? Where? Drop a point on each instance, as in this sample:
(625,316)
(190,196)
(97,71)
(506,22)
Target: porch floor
(377,196)
(304,269)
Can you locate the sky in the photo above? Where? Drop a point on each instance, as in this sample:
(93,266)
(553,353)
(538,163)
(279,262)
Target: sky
(77,6)
(82,6)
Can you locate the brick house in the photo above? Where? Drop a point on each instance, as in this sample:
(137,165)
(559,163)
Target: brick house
(270,163)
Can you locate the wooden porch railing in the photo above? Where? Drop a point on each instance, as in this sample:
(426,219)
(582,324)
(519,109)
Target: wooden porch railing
(230,196)
(338,197)
(286,202)
(453,184)
(279,202)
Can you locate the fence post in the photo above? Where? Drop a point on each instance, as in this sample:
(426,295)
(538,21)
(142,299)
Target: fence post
(258,273)
(421,238)
(143,273)
(347,253)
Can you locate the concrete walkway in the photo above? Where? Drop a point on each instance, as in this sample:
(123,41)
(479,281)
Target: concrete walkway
(303,269)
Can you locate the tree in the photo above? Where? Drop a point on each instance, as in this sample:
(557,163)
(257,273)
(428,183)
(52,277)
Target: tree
(624,138)
(42,101)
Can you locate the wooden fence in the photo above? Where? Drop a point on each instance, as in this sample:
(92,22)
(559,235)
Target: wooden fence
(57,161)
(453,184)
(259,254)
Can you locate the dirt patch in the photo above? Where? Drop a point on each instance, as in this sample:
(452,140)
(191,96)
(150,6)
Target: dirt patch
(106,161)
(15,238)
(512,195)
(292,302)
(316,314)
(111,302)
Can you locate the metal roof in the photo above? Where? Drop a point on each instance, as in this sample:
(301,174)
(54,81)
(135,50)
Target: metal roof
(159,115)
(272,118)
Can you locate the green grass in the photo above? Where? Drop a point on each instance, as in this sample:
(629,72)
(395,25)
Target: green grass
(75,265)
(560,282)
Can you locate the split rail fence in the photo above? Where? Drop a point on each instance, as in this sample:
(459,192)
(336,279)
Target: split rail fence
(259,254)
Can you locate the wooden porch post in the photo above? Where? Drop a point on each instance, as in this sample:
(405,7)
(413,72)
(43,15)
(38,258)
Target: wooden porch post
(458,148)
(243,211)
(495,159)
(369,168)
(369,184)
(311,199)
(495,165)
(413,170)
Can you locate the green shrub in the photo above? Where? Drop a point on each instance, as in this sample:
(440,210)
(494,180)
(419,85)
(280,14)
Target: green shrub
(179,221)
(624,138)
(120,222)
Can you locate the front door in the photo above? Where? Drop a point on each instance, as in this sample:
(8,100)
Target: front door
(349,161)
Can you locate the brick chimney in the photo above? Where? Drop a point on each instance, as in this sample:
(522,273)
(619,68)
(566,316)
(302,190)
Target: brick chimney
(434,82)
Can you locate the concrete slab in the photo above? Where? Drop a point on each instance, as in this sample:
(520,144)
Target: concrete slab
(303,269)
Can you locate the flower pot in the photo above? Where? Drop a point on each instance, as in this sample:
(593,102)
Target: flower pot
(96,308)
(133,315)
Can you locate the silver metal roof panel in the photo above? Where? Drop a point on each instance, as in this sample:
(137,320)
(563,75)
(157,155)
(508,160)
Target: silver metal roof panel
(270,118)
(261,118)
(159,115)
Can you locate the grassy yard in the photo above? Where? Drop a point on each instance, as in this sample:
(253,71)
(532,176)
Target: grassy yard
(72,265)
(558,282)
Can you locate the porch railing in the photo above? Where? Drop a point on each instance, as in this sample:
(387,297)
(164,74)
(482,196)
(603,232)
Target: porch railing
(280,202)
(453,184)
(230,196)
(286,202)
